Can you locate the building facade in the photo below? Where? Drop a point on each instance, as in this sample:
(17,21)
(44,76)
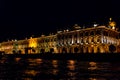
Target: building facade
(96,39)
(89,40)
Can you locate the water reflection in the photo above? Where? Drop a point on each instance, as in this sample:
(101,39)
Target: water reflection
(93,65)
(33,68)
(71,73)
(55,69)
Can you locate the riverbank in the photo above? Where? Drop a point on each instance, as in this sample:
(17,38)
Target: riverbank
(83,57)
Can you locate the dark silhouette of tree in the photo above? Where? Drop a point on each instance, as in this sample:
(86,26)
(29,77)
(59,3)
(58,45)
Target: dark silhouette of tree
(112,48)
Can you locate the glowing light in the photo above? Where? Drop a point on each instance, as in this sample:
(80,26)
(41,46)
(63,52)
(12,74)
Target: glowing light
(67,30)
(15,39)
(95,25)
(113,27)
(32,42)
(93,65)
(112,24)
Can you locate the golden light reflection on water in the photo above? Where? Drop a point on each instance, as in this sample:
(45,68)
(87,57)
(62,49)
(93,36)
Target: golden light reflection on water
(31,72)
(55,63)
(38,61)
(97,79)
(64,69)
(27,79)
(71,64)
(17,59)
(93,66)
(71,73)
(32,64)
(55,69)
(92,79)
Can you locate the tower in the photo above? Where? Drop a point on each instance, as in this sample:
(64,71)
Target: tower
(112,24)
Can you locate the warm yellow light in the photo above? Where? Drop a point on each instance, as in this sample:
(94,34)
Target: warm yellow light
(32,42)
(113,27)
(112,24)
(110,19)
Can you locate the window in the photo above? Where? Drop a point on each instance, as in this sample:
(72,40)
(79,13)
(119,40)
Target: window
(92,39)
(76,49)
(92,50)
(70,36)
(98,49)
(98,32)
(86,34)
(81,49)
(105,33)
(75,36)
(62,37)
(98,39)
(81,40)
(81,34)
(91,33)
(55,39)
(59,37)
(87,40)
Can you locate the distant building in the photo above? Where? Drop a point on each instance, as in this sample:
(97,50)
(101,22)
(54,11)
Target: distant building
(96,39)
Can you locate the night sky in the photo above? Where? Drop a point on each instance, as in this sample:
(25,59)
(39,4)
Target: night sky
(20,19)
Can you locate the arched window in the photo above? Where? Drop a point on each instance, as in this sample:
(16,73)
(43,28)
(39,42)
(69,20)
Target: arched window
(87,40)
(51,50)
(81,34)
(64,50)
(98,39)
(92,39)
(98,32)
(86,33)
(98,50)
(105,33)
(92,50)
(42,51)
(75,38)
(81,40)
(76,49)
(86,49)
(70,50)
(81,49)
(91,33)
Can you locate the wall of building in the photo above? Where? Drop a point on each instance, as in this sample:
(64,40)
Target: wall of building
(89,40)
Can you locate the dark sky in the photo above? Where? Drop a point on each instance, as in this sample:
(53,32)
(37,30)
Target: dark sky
(20,19)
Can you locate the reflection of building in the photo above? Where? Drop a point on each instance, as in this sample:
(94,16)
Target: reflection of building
(80,40)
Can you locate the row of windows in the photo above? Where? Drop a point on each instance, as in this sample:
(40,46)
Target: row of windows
(47,40)
(82,50)
(98,32)
(81,34)
(81,41)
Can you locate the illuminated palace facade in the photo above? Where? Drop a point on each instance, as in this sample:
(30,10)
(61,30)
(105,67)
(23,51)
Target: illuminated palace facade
(80,40)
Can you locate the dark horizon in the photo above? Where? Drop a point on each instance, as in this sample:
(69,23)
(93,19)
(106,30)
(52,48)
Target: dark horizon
(21,19)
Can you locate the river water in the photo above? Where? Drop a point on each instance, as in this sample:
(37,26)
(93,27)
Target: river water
(40,69)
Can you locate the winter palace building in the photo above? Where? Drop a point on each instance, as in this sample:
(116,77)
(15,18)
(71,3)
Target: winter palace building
(96,39)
